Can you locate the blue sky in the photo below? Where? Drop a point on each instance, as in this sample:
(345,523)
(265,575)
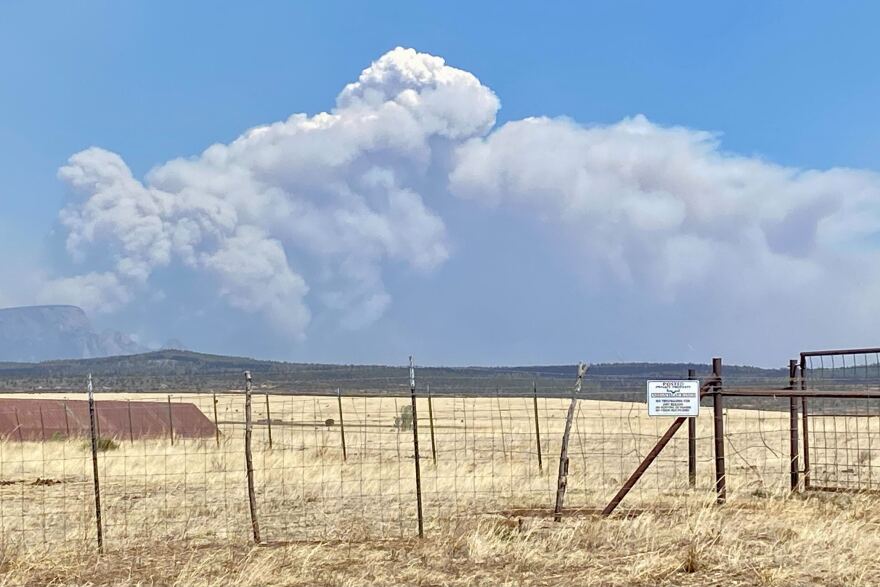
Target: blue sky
(788,86)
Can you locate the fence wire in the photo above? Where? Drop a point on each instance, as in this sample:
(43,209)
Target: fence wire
(342,467)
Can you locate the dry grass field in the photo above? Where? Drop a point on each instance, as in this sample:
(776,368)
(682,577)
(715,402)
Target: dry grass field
(177,514)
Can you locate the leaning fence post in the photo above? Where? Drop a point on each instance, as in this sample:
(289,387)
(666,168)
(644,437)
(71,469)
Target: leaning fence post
(269,420)
(341,424)
(216,424)
(718,409)
(562,479)
(42,425)
(248,456)
(537,427)
(431,422)
(806,423)
(93,431)
(793,425)
(692,443)
(415,431)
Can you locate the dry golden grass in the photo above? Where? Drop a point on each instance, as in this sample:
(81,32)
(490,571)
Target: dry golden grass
(818,541)
(177,515)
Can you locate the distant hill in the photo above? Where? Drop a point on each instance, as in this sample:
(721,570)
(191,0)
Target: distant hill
(185,370)
(38,333)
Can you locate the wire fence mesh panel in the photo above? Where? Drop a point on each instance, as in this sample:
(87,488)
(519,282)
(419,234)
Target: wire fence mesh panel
(757,451)
(843,433)
(45,479)
(844,439)
(340,465)
(167,477)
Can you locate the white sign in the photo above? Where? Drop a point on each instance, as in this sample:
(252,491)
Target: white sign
(674,398)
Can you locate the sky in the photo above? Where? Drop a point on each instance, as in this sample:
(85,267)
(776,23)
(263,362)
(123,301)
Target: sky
(472,183)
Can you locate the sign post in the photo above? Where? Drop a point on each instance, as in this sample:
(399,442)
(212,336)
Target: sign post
(674,398)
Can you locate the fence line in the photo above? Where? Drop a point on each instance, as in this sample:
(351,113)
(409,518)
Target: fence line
(227,478)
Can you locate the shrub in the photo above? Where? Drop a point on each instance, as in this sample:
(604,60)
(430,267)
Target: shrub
(405,420)
(104,444)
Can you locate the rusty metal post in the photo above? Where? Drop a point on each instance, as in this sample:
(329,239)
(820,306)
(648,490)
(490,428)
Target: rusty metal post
(431,423)
(806,423)
(66,420)
(248,457)
(269,420)
(216,423)
(718,409)
(130,424)
(793,426)
(415,431)
(42,425)
(341,424)
(93,432)
(537,427)
(562,478)
(18,425)
(170,421)
(692,443)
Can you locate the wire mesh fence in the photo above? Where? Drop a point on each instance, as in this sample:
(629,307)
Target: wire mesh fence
(341,466)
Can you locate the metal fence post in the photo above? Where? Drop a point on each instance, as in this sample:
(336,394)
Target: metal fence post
(692,442)
(42,425)
(537,427)
(793,425)
(562,478)
(269,420)
(170,421)
(216,423)
(248,457)
(341,424)
(130,424)
(93,432)
(431,423)
(718,409)
(805,420)
(415,431)
(66,420)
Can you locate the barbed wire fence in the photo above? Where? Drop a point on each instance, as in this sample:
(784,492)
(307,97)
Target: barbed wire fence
(274,466)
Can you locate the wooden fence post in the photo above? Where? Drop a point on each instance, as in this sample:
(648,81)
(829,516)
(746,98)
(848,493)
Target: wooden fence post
(341,424)
(537,427)
(718,414)
(248,457)
(692,443)
(415,431)
(93,432)
(562,479)
(18,425)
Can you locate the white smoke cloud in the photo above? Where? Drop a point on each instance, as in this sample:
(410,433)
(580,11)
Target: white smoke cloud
(96,293)
(306,214)
(313,203)
(663,209)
